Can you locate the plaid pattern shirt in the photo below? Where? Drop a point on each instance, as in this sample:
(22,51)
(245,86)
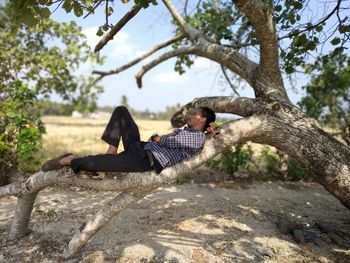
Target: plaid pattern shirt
(176,146)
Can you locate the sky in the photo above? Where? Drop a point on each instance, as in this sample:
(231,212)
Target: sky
(162,86)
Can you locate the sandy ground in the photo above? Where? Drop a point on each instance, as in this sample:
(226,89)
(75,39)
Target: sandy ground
(223,222)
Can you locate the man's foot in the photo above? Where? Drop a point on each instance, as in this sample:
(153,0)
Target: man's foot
(111,150)
(54,164)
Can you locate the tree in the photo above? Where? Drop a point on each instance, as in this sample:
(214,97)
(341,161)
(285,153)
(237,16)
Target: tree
(33,64)
(327,95)
(269,118)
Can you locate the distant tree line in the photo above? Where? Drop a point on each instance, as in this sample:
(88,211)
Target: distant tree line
(48,107)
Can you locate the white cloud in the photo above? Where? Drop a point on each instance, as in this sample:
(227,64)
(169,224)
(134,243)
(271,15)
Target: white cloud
(169,77)
(201,63)
(123,50)
(139,53)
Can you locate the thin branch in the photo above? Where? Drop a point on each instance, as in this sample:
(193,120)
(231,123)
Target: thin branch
(106,12)
(93,9)
(162,58)
(228,80)
(121,23)
(193,33)
(308,28)
(140,58)
(198,5)
(185,7)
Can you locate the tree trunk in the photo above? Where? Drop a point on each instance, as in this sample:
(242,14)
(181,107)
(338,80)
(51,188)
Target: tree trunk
(326,159)
(22,214)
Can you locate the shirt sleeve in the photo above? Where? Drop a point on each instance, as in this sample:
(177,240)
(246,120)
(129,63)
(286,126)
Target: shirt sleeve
(184,139)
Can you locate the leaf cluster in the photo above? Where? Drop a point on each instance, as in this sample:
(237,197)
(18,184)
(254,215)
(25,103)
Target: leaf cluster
(32,12)
(328,93)
(301,38)
(20,127)
(46,57)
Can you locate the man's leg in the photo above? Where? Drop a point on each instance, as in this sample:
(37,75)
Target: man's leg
(120,125)
(134,159)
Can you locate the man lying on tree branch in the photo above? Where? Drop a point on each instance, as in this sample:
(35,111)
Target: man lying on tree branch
(156,154)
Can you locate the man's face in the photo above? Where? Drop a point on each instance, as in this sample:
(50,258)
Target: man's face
(194,118)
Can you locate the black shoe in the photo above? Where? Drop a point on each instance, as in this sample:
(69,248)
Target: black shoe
(54,164)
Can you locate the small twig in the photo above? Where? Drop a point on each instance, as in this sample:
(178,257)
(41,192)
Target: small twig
(57,7)
(229,81)
(93,9)
(106,12)
(185,7)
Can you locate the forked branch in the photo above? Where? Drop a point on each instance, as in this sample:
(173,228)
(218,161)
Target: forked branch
(162,58)
(140,58)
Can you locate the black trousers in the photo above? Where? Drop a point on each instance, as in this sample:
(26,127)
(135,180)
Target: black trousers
(133,159)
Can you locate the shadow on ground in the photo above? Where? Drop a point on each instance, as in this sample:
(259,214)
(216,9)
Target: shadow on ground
(225,222)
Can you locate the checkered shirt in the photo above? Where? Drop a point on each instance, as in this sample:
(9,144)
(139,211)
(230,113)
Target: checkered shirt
(176,146)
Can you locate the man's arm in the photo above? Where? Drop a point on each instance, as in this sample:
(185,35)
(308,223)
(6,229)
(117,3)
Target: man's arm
(184,139)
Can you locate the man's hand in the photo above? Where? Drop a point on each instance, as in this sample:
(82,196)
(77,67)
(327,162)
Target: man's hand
(212,127)
(155,138)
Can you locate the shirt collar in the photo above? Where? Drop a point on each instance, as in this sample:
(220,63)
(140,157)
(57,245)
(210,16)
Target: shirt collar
(191,129)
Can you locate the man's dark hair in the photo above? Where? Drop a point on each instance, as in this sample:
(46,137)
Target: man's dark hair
(208,114)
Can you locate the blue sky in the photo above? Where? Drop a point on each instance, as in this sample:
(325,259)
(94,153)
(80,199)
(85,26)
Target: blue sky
(162,86)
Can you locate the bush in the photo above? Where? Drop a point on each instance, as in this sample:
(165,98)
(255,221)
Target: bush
(269,161)
(20,129)
(295,171)
(232,159)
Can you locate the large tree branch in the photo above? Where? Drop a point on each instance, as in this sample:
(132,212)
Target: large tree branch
(229,58)
(227,134)
(162,58)
(121,23)
(261,18)
(140,58)
(236,105)
(92,225)
(226,56)
(269,82)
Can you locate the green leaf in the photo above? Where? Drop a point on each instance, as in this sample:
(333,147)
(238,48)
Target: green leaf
(344,28)
(78,11)
(28,18)
(319,28)
(109,11)
(278,8)
(67,5)
(335,41)
(289,69)
(298,5)
(99,32)
(44,12)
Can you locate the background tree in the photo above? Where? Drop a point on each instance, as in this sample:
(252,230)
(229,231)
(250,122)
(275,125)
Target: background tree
(328,93)
(36,61)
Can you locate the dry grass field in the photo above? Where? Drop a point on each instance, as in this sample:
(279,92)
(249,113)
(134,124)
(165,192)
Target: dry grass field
(82,136)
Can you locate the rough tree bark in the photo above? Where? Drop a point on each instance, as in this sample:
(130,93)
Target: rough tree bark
(270,118)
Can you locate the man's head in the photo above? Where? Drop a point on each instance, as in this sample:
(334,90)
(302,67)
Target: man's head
(200,118)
